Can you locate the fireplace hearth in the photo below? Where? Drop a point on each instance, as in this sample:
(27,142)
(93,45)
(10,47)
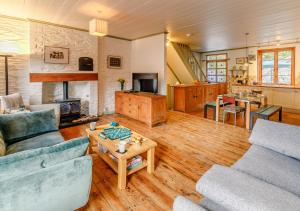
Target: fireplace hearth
(70,110)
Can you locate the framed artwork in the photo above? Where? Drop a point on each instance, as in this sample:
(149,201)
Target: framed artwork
(240,60)
(252,57)
(114,62)
(56,55)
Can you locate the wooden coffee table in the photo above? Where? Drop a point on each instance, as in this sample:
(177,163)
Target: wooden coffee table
(120,167)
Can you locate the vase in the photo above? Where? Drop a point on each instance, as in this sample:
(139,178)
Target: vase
(122,86)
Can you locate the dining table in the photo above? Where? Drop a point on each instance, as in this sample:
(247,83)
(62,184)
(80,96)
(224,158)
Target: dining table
(247,99)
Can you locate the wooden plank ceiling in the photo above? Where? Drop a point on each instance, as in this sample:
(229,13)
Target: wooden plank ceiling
(213,25)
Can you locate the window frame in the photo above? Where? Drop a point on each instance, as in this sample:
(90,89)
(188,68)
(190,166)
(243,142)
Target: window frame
(276,51)
(218,60)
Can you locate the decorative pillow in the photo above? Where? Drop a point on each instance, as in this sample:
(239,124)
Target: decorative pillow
(13,101)
(23,162)
(2,145)
(20,126)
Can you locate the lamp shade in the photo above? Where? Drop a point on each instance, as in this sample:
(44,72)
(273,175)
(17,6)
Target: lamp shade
(98,27)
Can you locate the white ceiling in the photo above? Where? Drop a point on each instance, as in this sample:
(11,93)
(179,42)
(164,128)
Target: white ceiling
(214,24)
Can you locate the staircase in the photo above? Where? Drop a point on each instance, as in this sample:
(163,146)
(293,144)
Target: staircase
(190,62)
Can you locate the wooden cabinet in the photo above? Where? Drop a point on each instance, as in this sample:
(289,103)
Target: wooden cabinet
(145,107)
(191,98)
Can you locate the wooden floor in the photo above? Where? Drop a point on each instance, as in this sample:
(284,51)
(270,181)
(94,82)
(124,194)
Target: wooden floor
(188,146)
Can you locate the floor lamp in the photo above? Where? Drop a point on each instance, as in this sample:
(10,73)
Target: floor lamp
(6,72)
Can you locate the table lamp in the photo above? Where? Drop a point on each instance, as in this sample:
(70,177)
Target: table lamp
(7,49)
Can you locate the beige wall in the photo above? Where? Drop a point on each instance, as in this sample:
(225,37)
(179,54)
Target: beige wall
(108,83)
(233,54)
(178,66)
(149,56)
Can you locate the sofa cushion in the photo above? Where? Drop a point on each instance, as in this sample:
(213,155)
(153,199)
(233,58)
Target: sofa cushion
(21,126)
(43,107)
(44,140)
(235,190)
(2,145)
(13,101)
(181,203)
(282,138)
(272,167)
(30,160)
(211,205)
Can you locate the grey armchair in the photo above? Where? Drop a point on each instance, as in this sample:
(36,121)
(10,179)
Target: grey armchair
(15,101)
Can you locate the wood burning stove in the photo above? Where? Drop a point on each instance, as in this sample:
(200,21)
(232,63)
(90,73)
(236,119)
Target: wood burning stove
(69,107)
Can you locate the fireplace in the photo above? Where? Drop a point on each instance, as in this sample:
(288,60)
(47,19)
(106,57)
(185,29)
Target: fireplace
(69,107)
(77,109)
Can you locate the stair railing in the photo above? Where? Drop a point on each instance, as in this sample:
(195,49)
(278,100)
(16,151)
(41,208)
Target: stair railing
(190,61)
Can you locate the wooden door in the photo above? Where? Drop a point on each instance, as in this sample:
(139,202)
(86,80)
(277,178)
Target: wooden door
(159,110)
(191,99)
(144,109)
(199,98)
(118,103)
(179,99)
(222,88)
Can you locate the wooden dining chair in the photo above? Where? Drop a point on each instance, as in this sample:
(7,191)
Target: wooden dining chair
(232,108)
(258,103)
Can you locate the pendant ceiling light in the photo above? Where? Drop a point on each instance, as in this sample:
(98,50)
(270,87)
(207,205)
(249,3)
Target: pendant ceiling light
(247,57)
(98,27)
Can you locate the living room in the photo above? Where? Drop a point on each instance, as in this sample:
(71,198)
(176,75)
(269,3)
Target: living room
(157,105)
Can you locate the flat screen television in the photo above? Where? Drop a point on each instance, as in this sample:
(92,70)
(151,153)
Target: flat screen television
(145,82)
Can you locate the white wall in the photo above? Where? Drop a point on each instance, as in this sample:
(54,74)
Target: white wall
(108,83)
(233,54)
(148,55)
(14,34)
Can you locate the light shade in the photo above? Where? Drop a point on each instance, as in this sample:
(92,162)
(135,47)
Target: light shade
(98,27)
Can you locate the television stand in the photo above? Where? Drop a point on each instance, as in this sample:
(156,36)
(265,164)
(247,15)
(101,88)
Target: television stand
(146,107)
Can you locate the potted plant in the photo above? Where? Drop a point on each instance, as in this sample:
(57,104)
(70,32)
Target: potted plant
(122,82)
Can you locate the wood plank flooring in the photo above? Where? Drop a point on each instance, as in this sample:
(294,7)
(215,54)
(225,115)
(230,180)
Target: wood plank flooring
(187,147)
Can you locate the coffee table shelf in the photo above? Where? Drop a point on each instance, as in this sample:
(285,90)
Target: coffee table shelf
(114,165)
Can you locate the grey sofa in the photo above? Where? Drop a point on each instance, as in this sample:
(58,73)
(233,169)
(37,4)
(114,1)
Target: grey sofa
(267,177)
(38,169)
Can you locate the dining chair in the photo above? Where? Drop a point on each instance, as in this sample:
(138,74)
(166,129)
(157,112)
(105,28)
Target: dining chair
(258,103)
(232,108)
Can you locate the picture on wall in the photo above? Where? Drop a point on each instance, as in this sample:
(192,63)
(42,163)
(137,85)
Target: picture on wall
(56,55)
(252,57)
(114,62)
(240,60)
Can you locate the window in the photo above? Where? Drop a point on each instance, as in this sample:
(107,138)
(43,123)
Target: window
(216,67)
(276,66)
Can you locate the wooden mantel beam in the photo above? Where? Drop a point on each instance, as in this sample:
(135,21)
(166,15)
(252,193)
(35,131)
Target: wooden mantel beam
(59,77)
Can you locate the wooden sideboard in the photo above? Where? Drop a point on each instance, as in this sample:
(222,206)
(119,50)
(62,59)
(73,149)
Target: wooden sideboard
(191,98)
(145,107)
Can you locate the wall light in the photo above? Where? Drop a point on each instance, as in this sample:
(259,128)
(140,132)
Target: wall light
(98,27)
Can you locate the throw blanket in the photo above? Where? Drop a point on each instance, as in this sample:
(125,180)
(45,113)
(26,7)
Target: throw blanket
(227,187)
